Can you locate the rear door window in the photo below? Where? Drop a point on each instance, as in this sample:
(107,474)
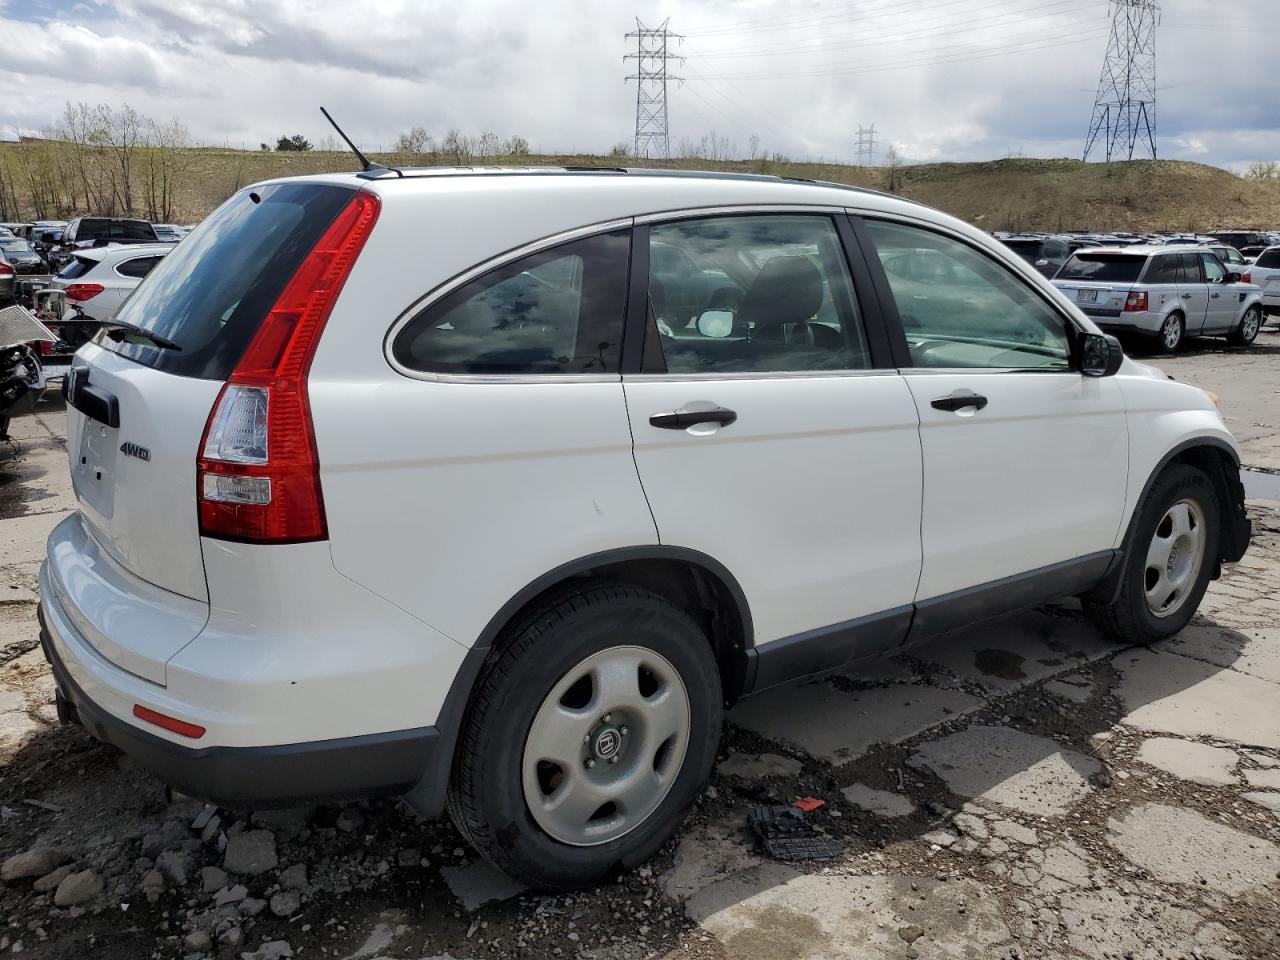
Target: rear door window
(1191,271)
(1269,259)
(557,311)
(212,292)
(1102,268)
(137,267)
(132,230)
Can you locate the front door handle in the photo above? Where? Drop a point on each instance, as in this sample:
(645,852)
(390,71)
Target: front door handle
(1216,295)
(959,400)
(1186,296)
(679,419)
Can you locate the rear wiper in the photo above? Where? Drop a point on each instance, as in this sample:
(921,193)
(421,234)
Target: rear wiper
(117,330)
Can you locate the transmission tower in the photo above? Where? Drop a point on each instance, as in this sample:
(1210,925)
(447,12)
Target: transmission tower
(651,78)
(1124,110)
(867,146)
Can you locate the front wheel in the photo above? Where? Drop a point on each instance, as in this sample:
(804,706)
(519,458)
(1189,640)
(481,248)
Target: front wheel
(1171,333)
(1168,562)
(588,737)
(1247,332)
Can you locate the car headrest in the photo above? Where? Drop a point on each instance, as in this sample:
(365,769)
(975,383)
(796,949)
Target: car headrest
(788,289)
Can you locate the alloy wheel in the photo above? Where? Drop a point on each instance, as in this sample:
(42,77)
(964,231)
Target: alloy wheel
(606,746)
(1174,558)
(1171,332)
(1250,324)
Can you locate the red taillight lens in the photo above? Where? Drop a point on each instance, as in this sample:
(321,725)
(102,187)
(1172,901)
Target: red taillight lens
(83,291)
(46,348)
(258,474)
(1246,278)
(5,269)
(1136,301)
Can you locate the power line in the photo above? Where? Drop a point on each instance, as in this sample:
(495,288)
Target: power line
(651,78)
(1124,108)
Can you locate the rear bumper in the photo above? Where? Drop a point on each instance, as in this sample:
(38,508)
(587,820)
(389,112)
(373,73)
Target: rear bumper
(1134,321)
(265,776)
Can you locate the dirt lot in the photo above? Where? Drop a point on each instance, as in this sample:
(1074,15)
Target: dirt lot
(1023,790)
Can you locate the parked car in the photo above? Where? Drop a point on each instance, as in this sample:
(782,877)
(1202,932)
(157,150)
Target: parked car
(168,232)
(1250,253)
(1231,258)
(365,509)
(1166,293)
(99,231)
(22,257)
(6,280)
(1046,254)
(1238,238)
(1265,272)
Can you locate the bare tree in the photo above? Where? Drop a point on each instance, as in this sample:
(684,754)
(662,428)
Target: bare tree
(415,140)
(1263,170)
(125,130)
(166,161)
(488,145)
(516,147)
(457,147)
(753,143)
(893,160)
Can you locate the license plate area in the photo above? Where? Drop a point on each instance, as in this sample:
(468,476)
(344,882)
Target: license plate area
(94,467)
(1086,296)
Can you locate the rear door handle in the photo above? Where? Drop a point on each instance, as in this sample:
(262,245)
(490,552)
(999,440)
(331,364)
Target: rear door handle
(679,419)
(1216,295)
(959,400)
(1186,296)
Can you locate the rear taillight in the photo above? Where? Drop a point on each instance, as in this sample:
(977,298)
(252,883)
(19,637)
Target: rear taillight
(258,474)
(83,291)
(1136,301)
(5,269)
(1246,278)
(46,348)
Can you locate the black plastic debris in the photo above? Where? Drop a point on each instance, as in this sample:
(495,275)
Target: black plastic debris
(784,834)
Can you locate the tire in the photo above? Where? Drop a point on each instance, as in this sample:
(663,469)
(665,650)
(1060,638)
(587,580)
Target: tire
(1137,614)
(532,699)
(1172,332)
(1247,331)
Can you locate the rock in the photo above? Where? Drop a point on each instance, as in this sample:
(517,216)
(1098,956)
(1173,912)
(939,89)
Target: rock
(152,885)
(1034,775)
(1262,760)
(707,853)
(939,838)
(839,726)
(211,829)
(36,862)
(1009,830)
(251,852)
(230,895)
(349,820)
(1177,845)
(175,865)
(1109,923)
(77,888)
(1167,693)
(757,766)
(1188,760)
(1266,779)
(212,879)
(197,941)
(15,725)
(772,911)
(285,903)
(170,836)
(294,877)
(251,906)
(288,823)
(50,881)
(274,950)
(971,826)
(478,883)
(880,802)
(1269,800)
(412,857)
(910,934)
(231,936)
(1256,654)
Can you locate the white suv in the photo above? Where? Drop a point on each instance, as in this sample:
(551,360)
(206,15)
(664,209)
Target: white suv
(498,486)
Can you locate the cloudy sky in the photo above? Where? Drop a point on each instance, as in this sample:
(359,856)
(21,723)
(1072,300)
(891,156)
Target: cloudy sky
(941,79)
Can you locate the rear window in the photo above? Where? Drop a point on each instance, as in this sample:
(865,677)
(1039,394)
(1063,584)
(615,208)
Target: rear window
(76,267)
(1102,268)
(90,228)
(132,230)
(137,267)
(211,293)
(1269,258)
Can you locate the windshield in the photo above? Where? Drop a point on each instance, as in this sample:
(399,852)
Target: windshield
(14,246)
(211,293)
(1102,268)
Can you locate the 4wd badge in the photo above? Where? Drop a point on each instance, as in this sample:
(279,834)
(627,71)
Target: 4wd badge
(130,449)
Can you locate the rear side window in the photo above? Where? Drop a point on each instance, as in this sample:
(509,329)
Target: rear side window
(1163,270)
(1269,259)
(212,292)
(1102,268)
(132,230)
(1191,268)
(77,267)
(90,228)
(137,267)
(558,311)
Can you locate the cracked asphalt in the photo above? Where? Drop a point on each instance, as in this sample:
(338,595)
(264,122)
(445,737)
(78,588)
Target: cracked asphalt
(1022,790)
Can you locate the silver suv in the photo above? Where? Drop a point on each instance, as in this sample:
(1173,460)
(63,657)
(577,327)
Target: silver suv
(1164,292)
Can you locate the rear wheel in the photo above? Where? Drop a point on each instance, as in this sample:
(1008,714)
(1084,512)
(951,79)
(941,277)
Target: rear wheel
(1169,560)
(588,738)
(1171,333)
(1247,332)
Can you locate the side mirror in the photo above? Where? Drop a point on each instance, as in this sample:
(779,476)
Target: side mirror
(716,324)
(1232,278)
(1100,355)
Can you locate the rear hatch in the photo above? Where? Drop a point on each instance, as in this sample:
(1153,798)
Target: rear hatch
(138,410)
(1099,283)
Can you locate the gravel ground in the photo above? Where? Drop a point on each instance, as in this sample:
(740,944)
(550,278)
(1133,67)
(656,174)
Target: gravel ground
(1021,790)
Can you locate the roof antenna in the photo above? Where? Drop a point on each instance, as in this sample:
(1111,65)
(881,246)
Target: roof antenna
(365,163)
